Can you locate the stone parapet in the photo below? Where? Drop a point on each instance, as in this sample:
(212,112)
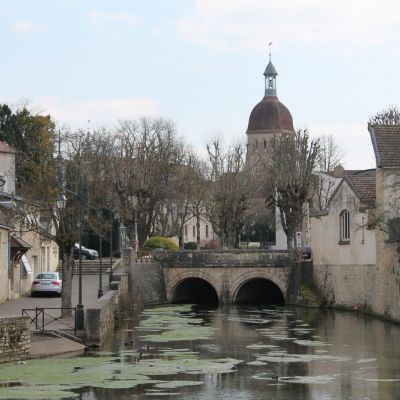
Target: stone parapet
(15,341)
(223,258)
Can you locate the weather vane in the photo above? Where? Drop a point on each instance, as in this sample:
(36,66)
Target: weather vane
(270,44)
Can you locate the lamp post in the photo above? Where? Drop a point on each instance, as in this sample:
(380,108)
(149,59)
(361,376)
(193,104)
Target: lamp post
(100,291)
(61,202)
(179,218)
(110,275)
(181,233)
(79,307)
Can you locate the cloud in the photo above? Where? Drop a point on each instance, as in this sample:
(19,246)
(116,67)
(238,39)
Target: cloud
(99,112)
(252,23)
(25,26)
(102,21)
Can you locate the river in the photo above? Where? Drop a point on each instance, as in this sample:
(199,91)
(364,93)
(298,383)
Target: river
(231,352)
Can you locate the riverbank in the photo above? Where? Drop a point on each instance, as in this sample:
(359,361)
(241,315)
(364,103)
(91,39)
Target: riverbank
(51,344)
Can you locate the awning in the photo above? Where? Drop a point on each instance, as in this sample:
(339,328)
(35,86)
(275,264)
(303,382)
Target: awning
(19,243)
(18,248)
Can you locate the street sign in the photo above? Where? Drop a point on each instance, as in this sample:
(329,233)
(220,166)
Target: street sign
(298,239)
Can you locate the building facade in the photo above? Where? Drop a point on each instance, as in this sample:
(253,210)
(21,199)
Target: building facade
(22,253)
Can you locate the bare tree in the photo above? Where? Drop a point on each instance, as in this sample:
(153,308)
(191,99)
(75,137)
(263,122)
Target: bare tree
(144,157)
(289,178)
(330,156)
(193,190)
(389,116)
(37,211)
(232,183)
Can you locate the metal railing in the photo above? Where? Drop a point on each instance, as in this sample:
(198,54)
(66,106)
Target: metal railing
(42,317)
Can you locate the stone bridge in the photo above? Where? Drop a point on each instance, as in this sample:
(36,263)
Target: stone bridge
(230,276)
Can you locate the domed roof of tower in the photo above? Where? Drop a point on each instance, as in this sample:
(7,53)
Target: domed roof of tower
(270,115)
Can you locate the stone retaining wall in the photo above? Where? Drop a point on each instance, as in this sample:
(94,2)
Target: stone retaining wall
(347,286)
(15,340)
(101,320)
(147,284)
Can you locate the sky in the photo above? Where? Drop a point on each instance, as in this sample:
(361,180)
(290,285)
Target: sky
(90,63)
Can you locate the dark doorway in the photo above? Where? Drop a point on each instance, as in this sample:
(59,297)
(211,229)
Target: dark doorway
(194,290)
(261,291)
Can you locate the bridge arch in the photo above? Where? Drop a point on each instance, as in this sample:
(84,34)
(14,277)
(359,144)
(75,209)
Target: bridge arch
(193,286)
(258,287)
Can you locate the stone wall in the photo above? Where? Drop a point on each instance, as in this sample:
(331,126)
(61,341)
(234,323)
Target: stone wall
(347,286)
(147,284)
(101,320)
(302,289)
(15,340)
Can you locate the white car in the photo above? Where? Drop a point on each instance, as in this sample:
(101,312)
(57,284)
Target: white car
(47,282)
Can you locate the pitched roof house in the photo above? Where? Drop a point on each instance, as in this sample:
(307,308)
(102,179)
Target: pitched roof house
(343,235)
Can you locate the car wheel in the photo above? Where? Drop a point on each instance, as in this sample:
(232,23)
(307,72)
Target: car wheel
(84,256)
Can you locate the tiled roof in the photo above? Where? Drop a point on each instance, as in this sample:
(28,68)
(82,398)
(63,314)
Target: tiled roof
(5,148)
(350,172)
(365,187)
(386,143)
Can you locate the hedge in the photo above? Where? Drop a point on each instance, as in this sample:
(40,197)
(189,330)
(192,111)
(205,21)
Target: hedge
(159,242)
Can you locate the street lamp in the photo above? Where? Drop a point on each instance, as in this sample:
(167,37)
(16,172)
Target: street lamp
(100,291)
(110,275)
(61,202)
(179,216)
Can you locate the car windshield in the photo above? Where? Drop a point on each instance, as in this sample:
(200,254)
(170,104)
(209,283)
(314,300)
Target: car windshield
(47,276)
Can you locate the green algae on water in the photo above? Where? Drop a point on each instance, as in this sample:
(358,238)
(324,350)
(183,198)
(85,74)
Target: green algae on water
(316,380)
(173,323)
(36,393)
(177,384)
(37,377)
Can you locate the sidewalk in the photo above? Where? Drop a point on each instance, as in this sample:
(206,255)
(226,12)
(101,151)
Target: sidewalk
(45,345)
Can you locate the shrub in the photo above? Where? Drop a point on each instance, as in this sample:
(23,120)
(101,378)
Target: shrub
(158,242)
(190,246)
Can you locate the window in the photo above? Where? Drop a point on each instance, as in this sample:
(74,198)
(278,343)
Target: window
(345,226)
(186,230)
(394,229)
(3,183)
(194,231)
(206,231)
(265,144)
